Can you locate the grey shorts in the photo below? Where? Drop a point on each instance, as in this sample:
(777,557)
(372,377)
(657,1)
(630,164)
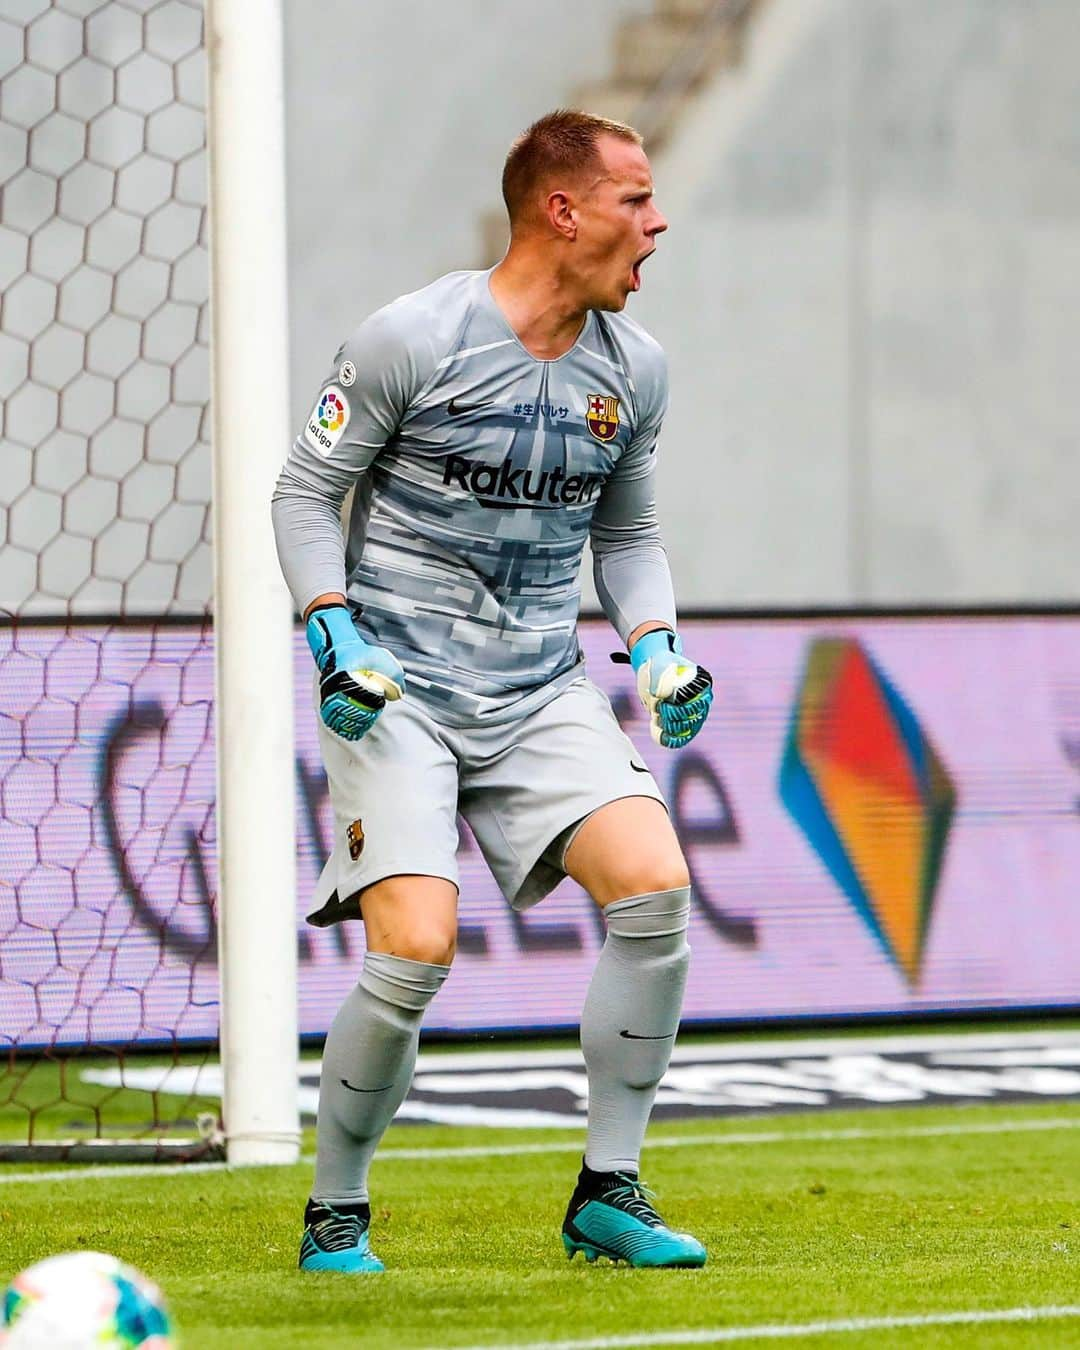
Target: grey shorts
(523,786)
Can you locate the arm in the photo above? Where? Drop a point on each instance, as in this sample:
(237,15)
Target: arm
(321,602)
(633,581)
(630,567)
(358,418)
(356,411)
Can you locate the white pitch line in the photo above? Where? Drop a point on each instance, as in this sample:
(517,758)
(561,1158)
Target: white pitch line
(790,1330)
(760,1047)
(750,1137)
(99,1171)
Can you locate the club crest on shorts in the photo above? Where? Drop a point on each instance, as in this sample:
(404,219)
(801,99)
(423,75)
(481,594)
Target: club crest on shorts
(355,837)
(602,416)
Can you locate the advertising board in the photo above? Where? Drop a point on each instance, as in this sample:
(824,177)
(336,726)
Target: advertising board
(881,817)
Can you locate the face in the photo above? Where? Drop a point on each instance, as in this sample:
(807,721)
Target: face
(617,224)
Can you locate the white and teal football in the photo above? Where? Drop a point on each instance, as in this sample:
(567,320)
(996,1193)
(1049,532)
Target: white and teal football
(83,1301)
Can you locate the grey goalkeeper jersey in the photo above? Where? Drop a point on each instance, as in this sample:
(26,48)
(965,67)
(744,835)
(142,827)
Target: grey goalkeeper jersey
(479,471)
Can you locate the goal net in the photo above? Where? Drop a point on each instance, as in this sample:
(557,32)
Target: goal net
(108,942)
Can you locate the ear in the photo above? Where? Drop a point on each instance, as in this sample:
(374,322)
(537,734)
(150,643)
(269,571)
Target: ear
(562,214)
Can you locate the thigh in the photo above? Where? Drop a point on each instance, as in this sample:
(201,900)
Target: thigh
(394,795)
(411,916)
(526,784)
(627,847)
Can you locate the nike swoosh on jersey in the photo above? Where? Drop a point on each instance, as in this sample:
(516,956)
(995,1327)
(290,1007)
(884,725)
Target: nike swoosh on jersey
(345,1083)
(455,409)
(629,1035)
(638,768)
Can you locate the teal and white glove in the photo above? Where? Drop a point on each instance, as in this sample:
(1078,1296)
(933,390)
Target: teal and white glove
(677,694)
(358,678)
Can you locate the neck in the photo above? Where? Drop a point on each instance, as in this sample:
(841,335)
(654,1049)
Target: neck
(540,303)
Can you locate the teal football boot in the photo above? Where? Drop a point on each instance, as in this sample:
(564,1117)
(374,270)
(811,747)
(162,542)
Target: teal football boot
(610,1215)
(337,1241)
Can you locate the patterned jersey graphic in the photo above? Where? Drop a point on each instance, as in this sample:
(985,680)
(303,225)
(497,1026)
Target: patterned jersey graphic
(865,785)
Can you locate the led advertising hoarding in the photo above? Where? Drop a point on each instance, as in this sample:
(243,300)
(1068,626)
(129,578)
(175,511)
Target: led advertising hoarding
(881,816)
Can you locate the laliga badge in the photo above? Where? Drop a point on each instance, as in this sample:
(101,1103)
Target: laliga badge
(328,420)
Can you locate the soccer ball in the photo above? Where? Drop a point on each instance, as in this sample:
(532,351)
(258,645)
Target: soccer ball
(83,1301)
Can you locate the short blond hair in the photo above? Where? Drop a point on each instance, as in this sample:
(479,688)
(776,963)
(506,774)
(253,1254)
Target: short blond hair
(561,142)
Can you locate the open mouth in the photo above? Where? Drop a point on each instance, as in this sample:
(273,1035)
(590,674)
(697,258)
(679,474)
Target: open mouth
(635,270)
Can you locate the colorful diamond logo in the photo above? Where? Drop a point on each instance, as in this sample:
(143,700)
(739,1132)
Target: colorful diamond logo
(870,793)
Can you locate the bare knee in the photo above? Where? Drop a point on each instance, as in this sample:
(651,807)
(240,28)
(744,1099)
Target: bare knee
(660,874)
(649,876)
(414,917)
(432,947)
(627,848)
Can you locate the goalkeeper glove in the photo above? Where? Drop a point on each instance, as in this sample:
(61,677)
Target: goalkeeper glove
(676,693)
(357,678)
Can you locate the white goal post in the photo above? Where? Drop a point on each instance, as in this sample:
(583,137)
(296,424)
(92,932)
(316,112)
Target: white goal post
(253,610)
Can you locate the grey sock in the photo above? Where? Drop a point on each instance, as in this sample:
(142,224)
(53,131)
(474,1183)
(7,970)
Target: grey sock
(630,1019)
(367,1067)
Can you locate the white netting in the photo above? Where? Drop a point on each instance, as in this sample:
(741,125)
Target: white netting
(104,367)
(106,776)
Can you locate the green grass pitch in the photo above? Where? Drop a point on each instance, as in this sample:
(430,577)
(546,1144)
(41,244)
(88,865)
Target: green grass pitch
(891,1218)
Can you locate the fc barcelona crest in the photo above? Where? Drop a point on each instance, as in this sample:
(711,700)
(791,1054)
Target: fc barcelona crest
(602,416)
(354,836)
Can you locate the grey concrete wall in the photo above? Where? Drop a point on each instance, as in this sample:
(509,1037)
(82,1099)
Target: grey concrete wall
(869,295)
(398,124)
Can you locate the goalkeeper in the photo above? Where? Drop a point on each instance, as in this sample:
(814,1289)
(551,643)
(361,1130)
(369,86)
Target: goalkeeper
(489,423)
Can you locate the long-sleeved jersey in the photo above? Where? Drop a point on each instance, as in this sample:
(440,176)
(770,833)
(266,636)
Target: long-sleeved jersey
(479,470)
